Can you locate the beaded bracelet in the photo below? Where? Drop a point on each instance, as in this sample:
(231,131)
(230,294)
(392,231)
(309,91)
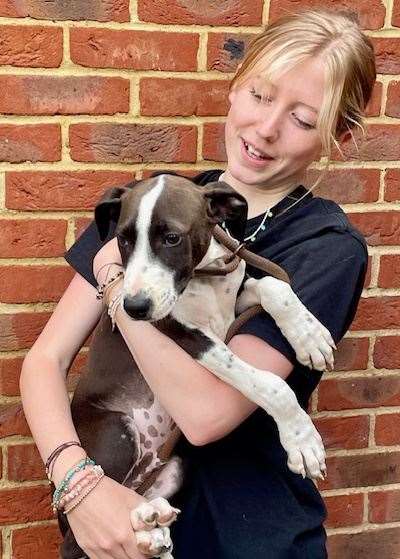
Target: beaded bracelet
(65,482)
(101,288)
(77,488)
(84,494)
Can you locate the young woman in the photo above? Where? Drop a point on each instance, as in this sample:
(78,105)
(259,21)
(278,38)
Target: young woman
(301,89)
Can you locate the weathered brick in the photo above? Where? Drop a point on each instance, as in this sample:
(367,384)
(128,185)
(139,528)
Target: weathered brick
(387,54)
(31,46)
(178,97)
(344,510)
(344,432)
(393,100)
(10,370)
(214,142)
(396,13)
(226,50)
(12,422)
(370,544)
(49,95)
(19,331)
(352,354)
(384,506)
(392,185)
(80,224)
(371,13)
(136,50)
(375,313)
(36,542)
(30,142)
(387,429)
(133,143)
(59,190)
(23,238)
(346,186)
(359,392)
(202,12)
(379,228)
(381,143)
(362,470)
(25,504)
(77,368)
(25,463)
(28,284)
(389,271)
(97,10)
(374,106)
(387,352)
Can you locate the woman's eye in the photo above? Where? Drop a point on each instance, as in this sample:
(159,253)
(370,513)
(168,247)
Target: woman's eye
(172,239)
(303,124)
(255,94)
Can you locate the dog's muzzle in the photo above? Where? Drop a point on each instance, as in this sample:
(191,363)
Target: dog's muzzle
(138,307)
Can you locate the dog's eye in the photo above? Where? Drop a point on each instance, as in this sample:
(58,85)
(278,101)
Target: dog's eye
(172,239)
(123,241)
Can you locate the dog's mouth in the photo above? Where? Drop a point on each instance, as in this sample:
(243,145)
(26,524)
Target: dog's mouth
(149,304)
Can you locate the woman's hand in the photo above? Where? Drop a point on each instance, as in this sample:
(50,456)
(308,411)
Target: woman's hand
(101,522)
(108,254)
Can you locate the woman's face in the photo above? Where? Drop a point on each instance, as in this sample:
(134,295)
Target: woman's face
(270,131)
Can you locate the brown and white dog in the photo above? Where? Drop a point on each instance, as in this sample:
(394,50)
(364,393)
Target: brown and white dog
(164,231)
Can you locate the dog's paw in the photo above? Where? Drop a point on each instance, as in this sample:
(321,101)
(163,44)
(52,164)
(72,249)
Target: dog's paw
(155,542)
(155,513)
(303,443)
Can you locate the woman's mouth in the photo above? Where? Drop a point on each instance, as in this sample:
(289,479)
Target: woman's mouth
(254,154)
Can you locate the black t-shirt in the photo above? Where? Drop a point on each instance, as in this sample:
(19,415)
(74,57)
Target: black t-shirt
(240,500)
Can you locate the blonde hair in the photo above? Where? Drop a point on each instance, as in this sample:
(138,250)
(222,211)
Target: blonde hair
(349,60)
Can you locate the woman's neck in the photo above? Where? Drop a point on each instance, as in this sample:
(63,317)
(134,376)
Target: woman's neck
(259,199)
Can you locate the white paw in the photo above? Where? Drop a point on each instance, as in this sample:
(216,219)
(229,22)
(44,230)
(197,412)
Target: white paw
(154,543)
(157,512)
(303,443)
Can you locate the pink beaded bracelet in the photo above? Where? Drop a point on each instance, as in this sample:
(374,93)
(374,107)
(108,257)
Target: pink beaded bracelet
(84,494)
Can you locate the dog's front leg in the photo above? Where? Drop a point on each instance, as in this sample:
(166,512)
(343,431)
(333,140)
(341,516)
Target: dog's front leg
(298,435)
(311,341)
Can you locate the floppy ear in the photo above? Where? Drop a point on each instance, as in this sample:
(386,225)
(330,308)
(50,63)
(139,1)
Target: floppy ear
(108,209)
(225,204)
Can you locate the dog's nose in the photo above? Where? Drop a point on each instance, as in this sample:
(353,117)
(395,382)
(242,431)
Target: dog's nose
(138,307)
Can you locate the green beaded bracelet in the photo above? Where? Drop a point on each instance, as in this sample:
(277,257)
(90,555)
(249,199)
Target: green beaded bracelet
(64,484)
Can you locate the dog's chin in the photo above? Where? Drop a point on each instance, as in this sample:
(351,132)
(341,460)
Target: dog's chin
(163,308)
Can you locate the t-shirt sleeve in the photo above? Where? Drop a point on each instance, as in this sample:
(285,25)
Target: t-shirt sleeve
(327,273)
(81,254)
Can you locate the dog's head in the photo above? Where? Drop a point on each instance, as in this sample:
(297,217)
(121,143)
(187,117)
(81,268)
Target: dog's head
(164,228)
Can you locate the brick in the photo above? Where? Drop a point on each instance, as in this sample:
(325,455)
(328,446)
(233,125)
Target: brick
(367,281)
(133,143)
(387,352)
(389,271)
(381,143)
(371,13)
(362,470)
(374,106)
(20,330)
(226,50)
(379,228)
(31,46)
(51,95)
(10,370)
(214,142)
(387,54)
(393,100)
(26,504)
(392,185)
(25,463)
(36,542)
(344,510)
(59,190)
(178,97)
(135,50)
(387,429)
(30,142)
(80,224)
(377,313)
(32,284)
(97,10)
(76,370)
(12,422)
(359,392)
(22,238)
(370,544)
(344,432)
(202,12)
(396,13)
(346,186)
(352,354)
(384,506)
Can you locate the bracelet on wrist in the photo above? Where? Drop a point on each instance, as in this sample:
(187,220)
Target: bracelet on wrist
(64,484)
(103,287)
(51,460)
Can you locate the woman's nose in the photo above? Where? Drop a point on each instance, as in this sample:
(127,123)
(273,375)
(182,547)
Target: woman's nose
(269,124)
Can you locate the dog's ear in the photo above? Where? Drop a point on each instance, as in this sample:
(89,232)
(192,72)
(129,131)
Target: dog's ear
(109,208)
(224,203)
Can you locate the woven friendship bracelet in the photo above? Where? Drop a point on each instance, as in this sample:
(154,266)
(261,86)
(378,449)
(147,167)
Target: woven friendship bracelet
(102,287)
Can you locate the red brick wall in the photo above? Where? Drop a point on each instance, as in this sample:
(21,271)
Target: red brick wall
(95,93)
